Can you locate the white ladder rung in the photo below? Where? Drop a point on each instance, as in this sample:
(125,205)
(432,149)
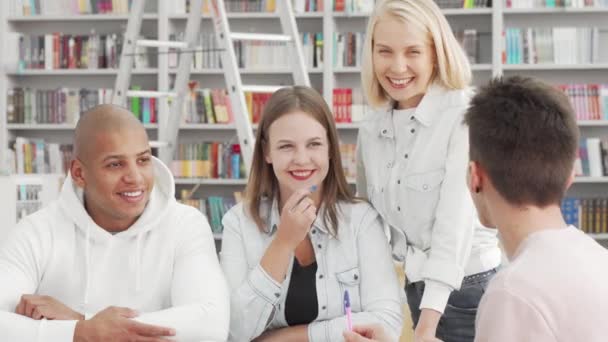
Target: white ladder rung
(261,37)
(157,144)
(150,93)
(161,43)
(261,88)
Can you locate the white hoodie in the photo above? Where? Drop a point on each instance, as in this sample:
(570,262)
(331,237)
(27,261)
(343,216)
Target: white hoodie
(165,266)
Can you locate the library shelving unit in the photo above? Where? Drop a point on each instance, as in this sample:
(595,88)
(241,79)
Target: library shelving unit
(161,21)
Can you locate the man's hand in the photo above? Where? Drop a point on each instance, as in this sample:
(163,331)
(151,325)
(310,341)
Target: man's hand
(39,307)
(367,333)
(116,324)
(427,326)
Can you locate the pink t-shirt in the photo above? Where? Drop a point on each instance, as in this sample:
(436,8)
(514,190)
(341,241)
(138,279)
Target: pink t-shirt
(555,289)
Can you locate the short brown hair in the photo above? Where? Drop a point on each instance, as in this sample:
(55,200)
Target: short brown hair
(262,180)
(523,132)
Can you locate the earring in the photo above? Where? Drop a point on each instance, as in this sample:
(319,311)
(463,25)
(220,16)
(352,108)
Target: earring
(477,190)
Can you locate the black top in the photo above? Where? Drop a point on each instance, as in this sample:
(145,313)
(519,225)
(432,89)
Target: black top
(301,304)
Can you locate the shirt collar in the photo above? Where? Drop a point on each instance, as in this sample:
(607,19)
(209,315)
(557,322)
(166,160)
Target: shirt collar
(426,113)
(273,217)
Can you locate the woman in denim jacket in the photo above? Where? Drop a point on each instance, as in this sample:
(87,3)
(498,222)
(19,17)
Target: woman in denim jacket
(300,239)
(412,162)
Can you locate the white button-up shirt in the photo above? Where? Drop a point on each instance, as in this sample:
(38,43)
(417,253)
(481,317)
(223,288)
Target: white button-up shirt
(415,176)
(357,260)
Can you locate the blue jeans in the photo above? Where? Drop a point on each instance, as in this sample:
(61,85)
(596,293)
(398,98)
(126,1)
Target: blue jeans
(458,321)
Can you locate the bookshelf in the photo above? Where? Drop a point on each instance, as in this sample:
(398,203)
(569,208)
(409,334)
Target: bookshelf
(163,20)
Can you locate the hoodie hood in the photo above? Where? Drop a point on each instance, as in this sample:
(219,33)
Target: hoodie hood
(162,198)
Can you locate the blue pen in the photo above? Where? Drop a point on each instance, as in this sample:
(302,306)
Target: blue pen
(347,311)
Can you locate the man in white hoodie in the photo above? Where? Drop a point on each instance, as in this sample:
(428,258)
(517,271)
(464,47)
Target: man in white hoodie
(115,258)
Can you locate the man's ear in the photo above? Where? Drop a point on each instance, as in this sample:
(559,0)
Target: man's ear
(475,178)
(571,179)
(77,172)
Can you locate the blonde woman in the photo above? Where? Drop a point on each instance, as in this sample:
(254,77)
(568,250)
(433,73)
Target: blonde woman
(412,158)
(300,240)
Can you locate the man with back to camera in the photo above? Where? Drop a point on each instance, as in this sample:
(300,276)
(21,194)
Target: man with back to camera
(115,258)
(523,144)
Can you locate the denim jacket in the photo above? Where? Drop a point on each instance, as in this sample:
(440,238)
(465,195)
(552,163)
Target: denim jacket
(357,260)
(434,226)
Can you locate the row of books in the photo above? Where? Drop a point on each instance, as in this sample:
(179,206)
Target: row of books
(214,207)
(217,160)
(348,47)
(592,159)
(247,6)
(306,6)
(68,7)
(555,3)
(348,105)
(558,45)
(203,105)
(29,156)
(28,199)
(65,105)
(65,51)
(469,40)
(353,6)
(588,214)
(464,3)
(590,101)
(250,54)
(349,160)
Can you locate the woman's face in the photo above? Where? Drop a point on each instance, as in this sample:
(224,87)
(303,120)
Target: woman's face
(298,149)
(403,60)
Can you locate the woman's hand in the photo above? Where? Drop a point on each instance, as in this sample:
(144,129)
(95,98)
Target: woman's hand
(297,216)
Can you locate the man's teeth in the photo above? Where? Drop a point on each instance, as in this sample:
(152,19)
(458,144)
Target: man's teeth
(132,194)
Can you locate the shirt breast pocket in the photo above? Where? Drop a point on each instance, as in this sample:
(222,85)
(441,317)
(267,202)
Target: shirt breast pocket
(349,280)
(420,196)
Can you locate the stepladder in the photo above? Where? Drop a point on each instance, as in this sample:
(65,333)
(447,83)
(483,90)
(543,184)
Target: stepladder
(169,124)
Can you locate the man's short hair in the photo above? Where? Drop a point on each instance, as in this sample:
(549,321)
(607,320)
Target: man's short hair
(524,134)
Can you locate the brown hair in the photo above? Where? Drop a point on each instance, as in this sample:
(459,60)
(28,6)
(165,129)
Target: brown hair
(262,180)
(523,132)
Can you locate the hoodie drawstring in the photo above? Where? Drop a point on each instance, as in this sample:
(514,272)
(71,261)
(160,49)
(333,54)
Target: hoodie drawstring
(138,258)
(87,260)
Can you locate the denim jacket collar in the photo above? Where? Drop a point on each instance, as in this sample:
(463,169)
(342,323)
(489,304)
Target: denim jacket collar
(273,217)
(426,112)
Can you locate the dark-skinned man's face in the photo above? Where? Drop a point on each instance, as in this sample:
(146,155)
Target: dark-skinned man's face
(117,175)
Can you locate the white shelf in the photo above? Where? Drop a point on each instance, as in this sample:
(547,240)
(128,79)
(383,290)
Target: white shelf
(466,11)
(590,180)
(526,11)
(593,123)
(532,67)
(210,181)
(252,15)
(55,127)
(357,69)
(602,236)
(252,71)
(208,127)
(78,72)
(228,127)
(445,11)
(76,17)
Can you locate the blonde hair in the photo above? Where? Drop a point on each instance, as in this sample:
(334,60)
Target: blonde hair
(452,69)
(262,180)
